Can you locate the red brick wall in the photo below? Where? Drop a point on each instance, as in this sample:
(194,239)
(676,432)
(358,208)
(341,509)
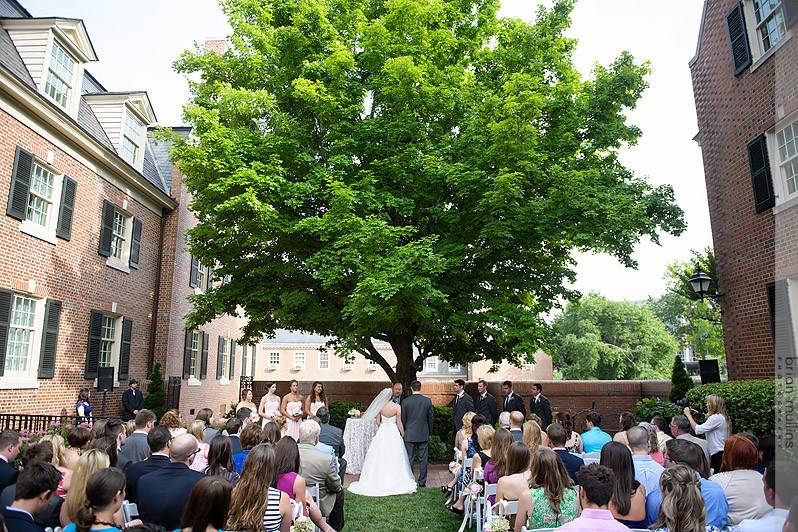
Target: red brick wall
(74,273)
(731,112)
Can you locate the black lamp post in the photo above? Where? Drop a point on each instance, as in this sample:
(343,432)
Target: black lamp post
(700,282)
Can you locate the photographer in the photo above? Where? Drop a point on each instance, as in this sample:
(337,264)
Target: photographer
(716,428)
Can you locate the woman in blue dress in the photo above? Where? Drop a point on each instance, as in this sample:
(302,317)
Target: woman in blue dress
(83,407)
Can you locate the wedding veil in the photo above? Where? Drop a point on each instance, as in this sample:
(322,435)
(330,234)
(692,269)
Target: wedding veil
(382,399)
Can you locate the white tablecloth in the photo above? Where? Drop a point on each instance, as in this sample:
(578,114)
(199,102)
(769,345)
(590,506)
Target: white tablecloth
(357,438)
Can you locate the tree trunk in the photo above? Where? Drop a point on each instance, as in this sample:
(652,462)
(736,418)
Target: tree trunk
(405,368)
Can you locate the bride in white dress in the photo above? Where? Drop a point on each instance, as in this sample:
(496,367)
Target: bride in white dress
(386,469)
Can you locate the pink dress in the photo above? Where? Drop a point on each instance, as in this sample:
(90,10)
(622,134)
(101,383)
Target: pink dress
(285,483)
(291,426)
(200,462)
(271,409)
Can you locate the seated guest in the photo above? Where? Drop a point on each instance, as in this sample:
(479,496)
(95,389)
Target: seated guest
(680,428)
(647,471)
(105,492)
(232,427)
(253,507)
(9,449)
(207,506)
(135,449)
(332,436)
(163,493)
(653,443)
(206,415)
(316,468)
(323,447)
(158,441)
(270,433)
(595,493)
(496,466)
(504,420)
(35,488)
(767,452)
(485,435)
(220,459)
(682,507)
(533,437)
(626,421)
(516,478)
(250,437)
(740,480)
(78,439)
(517,425)
(38,453)
(573,442)
(59,461)
(557,437)
(594,438)
(628,504)
(115,438)
(778,494)
(197,429)
(465,431)
(171,420)
(662,437)
(289,481)
(686,453)
(550,500)
(90,462)
(244,415)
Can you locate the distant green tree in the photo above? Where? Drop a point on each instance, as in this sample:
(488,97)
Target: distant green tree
(680,380)
(596,338)
(155,399)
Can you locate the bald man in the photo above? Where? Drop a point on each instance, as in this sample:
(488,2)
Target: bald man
(647,471)
(163,493)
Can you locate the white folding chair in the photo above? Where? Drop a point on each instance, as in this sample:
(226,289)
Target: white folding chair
(483,507)
(591,458)
(314,493)
(129,510)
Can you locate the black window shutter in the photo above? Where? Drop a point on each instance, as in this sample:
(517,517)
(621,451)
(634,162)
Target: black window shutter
(107,229)
(187,355)
(790,8)
(135,244)
(20,184)
(208,279)
(760,174)
(219,349)
(771,288)
(68,193)
(784,344)
(6,298)
(233,346)
(204,364)
(738,40)
(124,349)
(93,350)
(52,318)
(192,282)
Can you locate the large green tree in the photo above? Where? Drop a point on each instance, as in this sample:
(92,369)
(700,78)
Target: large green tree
(596,338)
(413,171)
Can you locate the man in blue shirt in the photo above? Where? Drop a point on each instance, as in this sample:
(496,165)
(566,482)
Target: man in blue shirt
(595,438)
(687,453)
(647,471)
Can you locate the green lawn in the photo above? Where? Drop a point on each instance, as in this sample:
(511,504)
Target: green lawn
(423,510)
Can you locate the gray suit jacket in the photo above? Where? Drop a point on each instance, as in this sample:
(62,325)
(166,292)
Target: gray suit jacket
(135,448)
(698,441)
(334,437)
(417,416)
(316,467)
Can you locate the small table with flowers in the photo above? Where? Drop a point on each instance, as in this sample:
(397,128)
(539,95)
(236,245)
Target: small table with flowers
(358,434)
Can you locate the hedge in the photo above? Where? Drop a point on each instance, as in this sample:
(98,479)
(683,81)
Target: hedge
(751,404)
(339,409)
(651,406)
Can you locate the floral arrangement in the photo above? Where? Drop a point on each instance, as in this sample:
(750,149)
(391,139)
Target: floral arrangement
(453,467)
(294,410)
(302,524)
(475,488)
(353,413)
(497,524)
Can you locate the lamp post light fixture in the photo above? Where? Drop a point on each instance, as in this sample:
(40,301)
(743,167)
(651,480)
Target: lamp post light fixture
(700,282)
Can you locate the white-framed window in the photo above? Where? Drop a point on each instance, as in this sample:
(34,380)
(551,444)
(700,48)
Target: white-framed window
(765,25)
(324,360)
(371,366)
(119,236)
(431,364)
(529,366)
(349,362)
(274,360)
(108,342)
(194,359)
(224,359)
(455,368)
(41,197)
(60,75)
(247,360)
(202,276)
(787,156)
(131,137)
(25,328)
(299,361)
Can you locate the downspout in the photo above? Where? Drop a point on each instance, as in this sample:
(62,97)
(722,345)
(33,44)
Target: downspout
(156,300)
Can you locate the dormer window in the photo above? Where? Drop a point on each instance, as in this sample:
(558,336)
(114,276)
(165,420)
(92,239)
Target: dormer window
(131,138)
(60,74)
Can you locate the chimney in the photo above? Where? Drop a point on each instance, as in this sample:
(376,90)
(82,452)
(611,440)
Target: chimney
(215,45)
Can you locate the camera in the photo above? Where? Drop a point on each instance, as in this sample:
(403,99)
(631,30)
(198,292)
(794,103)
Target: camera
(683,402)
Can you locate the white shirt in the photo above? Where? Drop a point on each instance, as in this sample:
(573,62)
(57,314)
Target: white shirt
(4,459)
(743,489)
(716,431)
(20,510)
(772,521)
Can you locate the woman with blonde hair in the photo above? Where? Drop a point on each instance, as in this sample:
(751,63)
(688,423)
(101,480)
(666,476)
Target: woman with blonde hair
(197,429)
(89,462)
(550,500)
(253,508)
(171,420)
(464,432)
(716,428)
(60,459)
(533,438)
(481,460)
(462,442)
(682,508)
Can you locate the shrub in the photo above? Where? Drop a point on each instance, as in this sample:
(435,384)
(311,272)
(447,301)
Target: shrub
(442,424)
(681,383)
(654,406)
(436,449)
(751,404)
(155,399)
(339,409)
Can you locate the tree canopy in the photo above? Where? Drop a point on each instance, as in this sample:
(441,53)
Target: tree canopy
(413,171)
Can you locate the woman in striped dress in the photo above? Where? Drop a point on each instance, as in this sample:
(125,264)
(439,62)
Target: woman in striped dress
(253,508)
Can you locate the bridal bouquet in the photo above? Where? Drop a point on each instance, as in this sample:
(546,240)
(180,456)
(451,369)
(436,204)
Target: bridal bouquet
(302,524)
(354,413)
(294,410)
(497,524)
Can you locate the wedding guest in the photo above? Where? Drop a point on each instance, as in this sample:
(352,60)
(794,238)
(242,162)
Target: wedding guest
(647,471)
(540,406)
(35,489)
(533,437)
(246,402)
(504,420)
(164,492)
(232,427)
(778,494)
(594,438)
(197,429)
(90,462)
(628,503)
(320,445)
(465,430)
(516,475)
(105,492)
(573,441)
(83,407)
(626,422)
(653,443)
(332,436)
(461,403)
(316,399)
(270,433)
(40,452)
(158,441)
(269,407)
(207,507)
(715,429)
(244,415)
(135,447)
(481,460)
(78,438)
(682,507)
(549,499)
(282,424)
(767,452)
(130,427)
(254,508)
(250,437)
(512,401)
(59,461)
(132,401)
(171,420)
(220,459)
(517,425)
(660,425)
(206,415)
(595,493)
(289,481)
(316,468)
(97,430)
(740,480)
(486,403)
(497,464)
(557,437)
(116,436)
(291,408)
(680,428)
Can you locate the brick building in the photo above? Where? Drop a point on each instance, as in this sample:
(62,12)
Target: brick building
(745,80)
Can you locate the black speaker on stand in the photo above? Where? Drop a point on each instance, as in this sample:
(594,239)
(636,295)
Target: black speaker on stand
(709,370)
(105,382)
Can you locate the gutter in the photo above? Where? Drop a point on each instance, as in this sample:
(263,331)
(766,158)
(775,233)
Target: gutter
(156,300)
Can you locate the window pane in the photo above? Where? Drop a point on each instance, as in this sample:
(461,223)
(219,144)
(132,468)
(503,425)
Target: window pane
(274,359)
(61,63)
(193,366)
(772,29)
(107,342)
(132,128)
(41,194)
(790,171)
(56,88)
(118,236)
(20,335)
(129,150)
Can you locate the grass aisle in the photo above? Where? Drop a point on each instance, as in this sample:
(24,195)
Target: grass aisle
(423,510)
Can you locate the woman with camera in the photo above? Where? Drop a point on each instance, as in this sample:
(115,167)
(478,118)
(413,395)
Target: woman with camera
(716,428)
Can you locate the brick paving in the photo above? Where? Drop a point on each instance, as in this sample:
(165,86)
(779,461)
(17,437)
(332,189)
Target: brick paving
(437,475)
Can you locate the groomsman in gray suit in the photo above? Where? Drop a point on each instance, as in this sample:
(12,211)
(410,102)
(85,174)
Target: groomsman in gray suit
(417,418)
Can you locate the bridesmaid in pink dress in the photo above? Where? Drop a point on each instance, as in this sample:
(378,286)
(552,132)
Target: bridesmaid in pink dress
(291,408)
(316,399)
(269,404)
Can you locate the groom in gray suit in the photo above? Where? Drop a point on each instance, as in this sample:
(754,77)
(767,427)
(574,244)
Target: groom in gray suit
(417,417)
